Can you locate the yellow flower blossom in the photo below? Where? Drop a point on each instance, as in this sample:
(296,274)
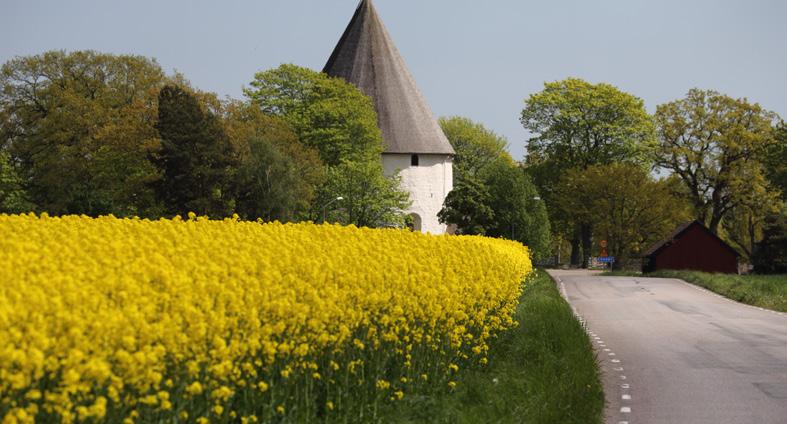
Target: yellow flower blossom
(194,388)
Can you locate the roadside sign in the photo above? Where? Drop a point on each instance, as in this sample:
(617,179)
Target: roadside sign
(607,259)
(603,244)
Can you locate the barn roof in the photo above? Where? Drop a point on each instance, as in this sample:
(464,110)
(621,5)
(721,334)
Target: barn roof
(680,230)
(367,58)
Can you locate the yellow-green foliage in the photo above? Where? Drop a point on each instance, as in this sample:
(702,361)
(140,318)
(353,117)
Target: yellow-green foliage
(124,319)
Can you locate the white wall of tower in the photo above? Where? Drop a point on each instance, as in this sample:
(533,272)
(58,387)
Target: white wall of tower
(428,184)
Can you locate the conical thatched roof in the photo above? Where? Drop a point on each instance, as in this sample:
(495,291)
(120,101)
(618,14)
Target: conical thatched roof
(367,57)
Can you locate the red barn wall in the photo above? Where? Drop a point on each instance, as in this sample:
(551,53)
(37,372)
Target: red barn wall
(697,250)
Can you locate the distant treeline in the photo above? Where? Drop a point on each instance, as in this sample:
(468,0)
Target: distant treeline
(95,134)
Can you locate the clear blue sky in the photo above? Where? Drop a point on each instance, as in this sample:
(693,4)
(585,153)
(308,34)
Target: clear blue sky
(471,58)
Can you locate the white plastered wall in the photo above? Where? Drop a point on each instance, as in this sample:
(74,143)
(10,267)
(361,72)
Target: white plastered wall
(428,184)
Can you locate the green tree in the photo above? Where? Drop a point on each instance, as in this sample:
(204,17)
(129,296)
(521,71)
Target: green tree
(467,207)
(476,147)
(13,198)
(277,176)
(336,119)
(771,252)
(195,158)
(80,126)
(368,198)
(744,223)
(776,160)
(492,196)
(575,124)
(519,212)
(545,175)
(630,209)
(717,145)
(327,114)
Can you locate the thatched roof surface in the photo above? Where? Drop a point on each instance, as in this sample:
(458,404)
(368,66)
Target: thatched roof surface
(367,57)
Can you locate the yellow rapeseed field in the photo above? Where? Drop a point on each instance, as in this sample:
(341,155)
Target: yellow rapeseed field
(130,320)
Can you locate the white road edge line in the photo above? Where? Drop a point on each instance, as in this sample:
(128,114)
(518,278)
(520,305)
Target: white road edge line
(600,342)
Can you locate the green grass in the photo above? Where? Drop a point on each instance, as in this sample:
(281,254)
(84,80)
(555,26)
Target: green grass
(765,291)
(542,372)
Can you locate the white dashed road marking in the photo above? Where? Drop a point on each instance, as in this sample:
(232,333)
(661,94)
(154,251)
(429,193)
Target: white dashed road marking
(597,339)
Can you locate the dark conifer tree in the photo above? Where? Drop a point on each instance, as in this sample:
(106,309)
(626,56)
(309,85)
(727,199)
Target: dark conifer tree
(196,158)
(770,255)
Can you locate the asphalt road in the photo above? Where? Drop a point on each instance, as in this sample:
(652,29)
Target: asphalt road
(674,353)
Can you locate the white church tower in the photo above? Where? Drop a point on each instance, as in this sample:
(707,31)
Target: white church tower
(415,146)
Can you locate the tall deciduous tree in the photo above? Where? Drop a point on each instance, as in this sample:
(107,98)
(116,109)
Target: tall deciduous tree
(520,214)
(326,113)
(492,195)
(277,175)
(80,125)
(476,146)
(195,158)
(339,121)
(575,124)
(717,145)
(578,124)
(629,208)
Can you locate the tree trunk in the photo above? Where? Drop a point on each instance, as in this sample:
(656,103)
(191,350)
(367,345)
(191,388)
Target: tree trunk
(713,225)
(587,244)
(575,250)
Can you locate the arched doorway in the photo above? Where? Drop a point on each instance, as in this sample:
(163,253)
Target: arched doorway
(415,222)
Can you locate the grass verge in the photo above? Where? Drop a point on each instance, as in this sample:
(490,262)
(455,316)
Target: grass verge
(544,371)
(765,291)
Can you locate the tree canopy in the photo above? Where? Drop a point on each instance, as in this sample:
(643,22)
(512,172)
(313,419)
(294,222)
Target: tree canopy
(771,257)
(476,146)
(13,198)
(277,175)
(360,194)
(520,213)
(468,207)
(492,195)
(776,159)
(577,124)
(337,120)
(328,114)
(629,208)
(717,145)
(80,126)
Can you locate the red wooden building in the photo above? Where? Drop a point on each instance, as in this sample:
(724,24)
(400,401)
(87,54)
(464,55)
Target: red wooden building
(692,247)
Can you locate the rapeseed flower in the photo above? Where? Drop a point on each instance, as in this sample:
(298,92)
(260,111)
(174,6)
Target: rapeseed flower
(111,319)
